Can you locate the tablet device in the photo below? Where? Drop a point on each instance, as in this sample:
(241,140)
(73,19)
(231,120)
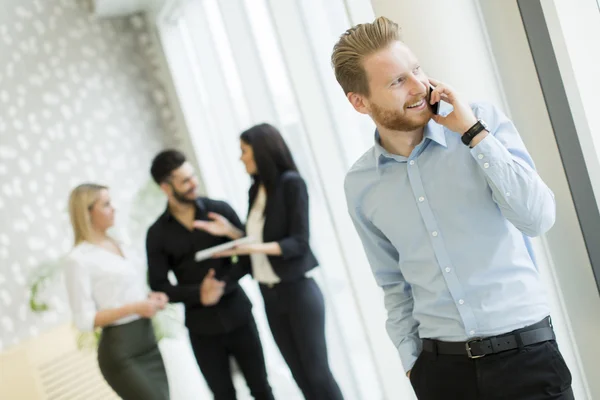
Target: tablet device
(208,253)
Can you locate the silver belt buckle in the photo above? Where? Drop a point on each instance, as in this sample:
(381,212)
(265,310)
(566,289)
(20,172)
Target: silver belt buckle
(468,347)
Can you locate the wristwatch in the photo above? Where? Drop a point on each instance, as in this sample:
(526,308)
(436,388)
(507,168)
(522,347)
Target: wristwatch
(475,130)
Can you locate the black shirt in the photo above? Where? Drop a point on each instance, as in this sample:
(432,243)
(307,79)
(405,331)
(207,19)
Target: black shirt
(171,247)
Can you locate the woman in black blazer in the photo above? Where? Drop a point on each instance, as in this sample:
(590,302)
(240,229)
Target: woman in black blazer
(278,219)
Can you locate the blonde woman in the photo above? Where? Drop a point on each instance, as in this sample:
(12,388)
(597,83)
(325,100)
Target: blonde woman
(107,290)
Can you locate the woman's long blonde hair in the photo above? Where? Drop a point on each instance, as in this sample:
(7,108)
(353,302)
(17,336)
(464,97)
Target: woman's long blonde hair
(81,201)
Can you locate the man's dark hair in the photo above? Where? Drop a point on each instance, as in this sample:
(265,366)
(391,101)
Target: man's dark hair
(271,154)
(165,163)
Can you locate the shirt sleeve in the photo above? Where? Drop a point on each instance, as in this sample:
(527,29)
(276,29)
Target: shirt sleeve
(520,193)
(79,289)
(402,328)
(296,243)
(158,274)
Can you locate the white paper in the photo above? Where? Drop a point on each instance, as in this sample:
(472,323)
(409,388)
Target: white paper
(208,253)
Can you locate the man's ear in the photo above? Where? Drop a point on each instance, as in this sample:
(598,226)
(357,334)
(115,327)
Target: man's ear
(359,102)
(165,187)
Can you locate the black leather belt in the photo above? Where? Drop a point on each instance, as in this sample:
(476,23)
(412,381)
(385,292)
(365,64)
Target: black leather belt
(481,347)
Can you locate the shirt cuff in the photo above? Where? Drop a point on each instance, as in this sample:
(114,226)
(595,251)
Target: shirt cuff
(490,152)
(409,352)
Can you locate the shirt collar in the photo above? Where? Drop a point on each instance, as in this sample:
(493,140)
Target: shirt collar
(200,209)
(433,132)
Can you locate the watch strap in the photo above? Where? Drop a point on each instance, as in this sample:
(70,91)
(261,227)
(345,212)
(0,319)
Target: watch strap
(473,131)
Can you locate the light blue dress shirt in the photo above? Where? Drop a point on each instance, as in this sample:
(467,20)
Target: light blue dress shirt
(446,232)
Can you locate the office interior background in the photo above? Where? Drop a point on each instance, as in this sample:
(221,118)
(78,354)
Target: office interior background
(92,90)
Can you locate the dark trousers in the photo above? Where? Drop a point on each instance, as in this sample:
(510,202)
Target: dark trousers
(131,363)
(213,351)
(296,315)
(534,372)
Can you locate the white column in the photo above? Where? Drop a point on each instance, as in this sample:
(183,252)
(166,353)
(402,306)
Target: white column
(454,45)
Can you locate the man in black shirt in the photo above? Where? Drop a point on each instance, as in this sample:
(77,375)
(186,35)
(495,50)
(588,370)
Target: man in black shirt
(218,312)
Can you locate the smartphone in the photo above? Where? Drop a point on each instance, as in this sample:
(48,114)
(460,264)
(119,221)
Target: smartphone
(435,107)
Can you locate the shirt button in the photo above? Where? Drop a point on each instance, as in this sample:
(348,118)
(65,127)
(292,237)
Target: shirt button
(447,269)
(480,156)
(461,302)
(412,162)
(421,199)
(434,233)
(471,332)
(486,165)
(507,194)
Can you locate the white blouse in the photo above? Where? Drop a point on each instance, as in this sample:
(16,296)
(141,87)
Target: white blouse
(261,267)
(98,279)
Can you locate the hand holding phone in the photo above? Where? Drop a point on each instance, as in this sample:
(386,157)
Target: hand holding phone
(435,107)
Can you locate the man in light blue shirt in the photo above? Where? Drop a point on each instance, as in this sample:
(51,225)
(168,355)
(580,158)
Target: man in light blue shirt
(445,205)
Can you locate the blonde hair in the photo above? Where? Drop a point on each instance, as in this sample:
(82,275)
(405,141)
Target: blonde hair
(354,45)
(81,201)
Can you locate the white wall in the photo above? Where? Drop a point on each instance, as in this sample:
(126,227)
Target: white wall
(576,292)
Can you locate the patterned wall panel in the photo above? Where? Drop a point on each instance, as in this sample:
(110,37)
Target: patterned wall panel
(79,101)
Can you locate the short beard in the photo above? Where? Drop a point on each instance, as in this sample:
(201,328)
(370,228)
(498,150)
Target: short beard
(180,197)
(397,121)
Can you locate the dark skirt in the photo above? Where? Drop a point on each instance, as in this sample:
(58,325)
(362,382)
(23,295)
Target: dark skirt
(131,363)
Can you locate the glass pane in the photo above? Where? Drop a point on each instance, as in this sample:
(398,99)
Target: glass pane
(266,39)
(230,72)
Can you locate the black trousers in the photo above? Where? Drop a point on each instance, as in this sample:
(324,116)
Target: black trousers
(296,315)
(213,351)
(535,372)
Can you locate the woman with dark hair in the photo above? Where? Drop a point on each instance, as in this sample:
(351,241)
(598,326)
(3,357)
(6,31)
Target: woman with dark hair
(281,257)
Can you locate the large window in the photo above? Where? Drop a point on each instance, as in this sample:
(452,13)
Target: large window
(236,63)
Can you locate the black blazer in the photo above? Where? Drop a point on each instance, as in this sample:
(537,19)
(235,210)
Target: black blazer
(286,222)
